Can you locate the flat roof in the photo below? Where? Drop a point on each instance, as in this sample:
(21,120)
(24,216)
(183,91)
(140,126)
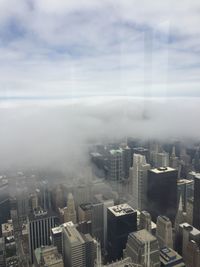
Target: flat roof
(184,181)
(143,236)
(162,169)
(116,151)
(122,209)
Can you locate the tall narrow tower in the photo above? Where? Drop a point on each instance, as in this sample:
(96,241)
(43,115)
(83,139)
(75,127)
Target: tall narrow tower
(70,214)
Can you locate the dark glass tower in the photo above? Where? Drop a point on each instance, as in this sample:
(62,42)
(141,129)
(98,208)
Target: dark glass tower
(196,207)
(121,221)
(162,192)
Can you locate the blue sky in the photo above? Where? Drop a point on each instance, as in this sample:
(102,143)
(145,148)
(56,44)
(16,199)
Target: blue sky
(56,48)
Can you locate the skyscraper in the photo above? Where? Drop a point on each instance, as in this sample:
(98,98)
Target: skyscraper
(39,227)
(164,232)
(115,164)
(185,190)
(4,201)
(78,250)
(196,204)
(145,220)
(138,181)
(162,192)
(122,220)
(47,256)
(70,213)
(142,247)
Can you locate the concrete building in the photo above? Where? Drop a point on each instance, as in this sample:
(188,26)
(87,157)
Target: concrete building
(162,160)
(138,181)
(47,256)
(70,212)
(196,204)
(185,189)
(121,220)
(164,232)
(78,250)
(145,221)
(170,258)
(115,165)
(2,252)
(142,247)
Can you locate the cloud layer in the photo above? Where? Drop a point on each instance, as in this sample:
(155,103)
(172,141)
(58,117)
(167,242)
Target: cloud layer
(57,135)
(89,47)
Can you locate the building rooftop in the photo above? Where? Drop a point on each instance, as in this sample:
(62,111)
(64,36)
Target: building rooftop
(49,255)
(143,236)
(72,233)
(86,206)
(162,170)
(116,151)
(122,209)
(169,256)
(184,181)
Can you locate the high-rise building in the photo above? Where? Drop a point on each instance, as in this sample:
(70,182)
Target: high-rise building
(162,160)
(145,220)
(106,204)
(47,256)
(78,250)
(127,161)
(44,195)
(164,232)
(192,257)
(2,252)
(70,212)
(170,258)
(121,220)
(39,227)
(185,190)
(56,238)
(196,204)
(4,201)
(142,247)
(174,160)
(138,181)
(162,192)
(115,165)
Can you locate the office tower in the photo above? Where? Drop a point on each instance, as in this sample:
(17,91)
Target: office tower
(196,161)
(4,201)
(142,247)
(70,213)
(185,190)
(196,207)
(127,161)
(78,250)
(180,218)
(115,164)
(22,199)
(174,161)
(2,252)
(47,256)
(56,238)
(34,201)
(145,221)
(85,212)
(162,160)
(142,151)
(97,219)
(44,194)
(106,204)
(39,227)
(121,220)
(189,211)
(186,233)
(58,197)
(162,192)
(170,258)
(164,232)
(192,257)
(138,181)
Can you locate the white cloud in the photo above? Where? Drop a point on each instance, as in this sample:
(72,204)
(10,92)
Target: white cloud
(93,47)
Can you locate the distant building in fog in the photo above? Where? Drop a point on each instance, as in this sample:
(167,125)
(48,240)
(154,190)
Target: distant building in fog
(196,205)
(115,165)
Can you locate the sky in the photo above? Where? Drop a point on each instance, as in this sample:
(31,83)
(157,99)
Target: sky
(72,72)
(81,48)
